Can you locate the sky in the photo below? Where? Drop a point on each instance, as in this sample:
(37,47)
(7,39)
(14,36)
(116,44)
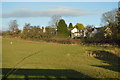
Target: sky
(60,0)
(40,13)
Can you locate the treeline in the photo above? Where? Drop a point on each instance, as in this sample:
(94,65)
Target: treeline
(35,32)
(110,20)
(30,32)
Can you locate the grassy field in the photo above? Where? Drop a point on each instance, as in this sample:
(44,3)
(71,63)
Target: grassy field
(58,59)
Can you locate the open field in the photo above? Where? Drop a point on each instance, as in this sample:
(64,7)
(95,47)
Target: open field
(54,59)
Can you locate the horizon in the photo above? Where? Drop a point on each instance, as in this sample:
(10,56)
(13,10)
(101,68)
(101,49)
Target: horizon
(36,13)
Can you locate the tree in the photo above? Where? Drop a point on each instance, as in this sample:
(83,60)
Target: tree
(118,14)
(13,26)
(26,29)
(70,25)
(79,26)
(54,20)
(62,28)
(89,28)
(111,20)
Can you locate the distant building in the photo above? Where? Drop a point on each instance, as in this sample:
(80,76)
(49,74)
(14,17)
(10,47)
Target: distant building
(44,30)
(50,30)
(97,32)
(76,33)
(94,32)
(107,32)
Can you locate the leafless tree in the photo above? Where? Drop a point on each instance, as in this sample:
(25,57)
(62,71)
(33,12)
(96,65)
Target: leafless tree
(13,26)
(110,17)
(54,20)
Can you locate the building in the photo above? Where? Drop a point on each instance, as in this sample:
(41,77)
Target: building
(76,33)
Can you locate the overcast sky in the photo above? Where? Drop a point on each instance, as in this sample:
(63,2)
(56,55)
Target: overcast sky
(39,13)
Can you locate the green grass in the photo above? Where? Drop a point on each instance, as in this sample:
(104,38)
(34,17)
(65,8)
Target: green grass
(54,56)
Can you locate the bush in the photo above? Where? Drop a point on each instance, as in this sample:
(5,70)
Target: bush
(6,33)
(96,41)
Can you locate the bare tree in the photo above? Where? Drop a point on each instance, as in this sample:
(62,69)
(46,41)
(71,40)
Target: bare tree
(54,20)
(13,26)
(110,17)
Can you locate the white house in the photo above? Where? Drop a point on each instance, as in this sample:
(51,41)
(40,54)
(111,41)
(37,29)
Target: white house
(75,33)
(78,33)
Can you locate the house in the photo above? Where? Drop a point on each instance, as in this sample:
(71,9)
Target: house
(53,31)
(107,32)
(50,30)
(97,32)
(85,33)
(76,33)
(94,32)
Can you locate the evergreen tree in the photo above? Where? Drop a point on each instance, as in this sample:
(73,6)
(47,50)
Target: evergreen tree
(62,28)
(70,25)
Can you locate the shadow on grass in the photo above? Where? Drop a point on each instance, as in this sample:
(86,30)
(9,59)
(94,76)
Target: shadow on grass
(43,74)
(107,57)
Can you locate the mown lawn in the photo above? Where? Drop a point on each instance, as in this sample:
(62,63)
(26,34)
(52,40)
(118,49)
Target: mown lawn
(53,56)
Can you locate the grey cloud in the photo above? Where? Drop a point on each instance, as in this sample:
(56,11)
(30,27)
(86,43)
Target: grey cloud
(58,10)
